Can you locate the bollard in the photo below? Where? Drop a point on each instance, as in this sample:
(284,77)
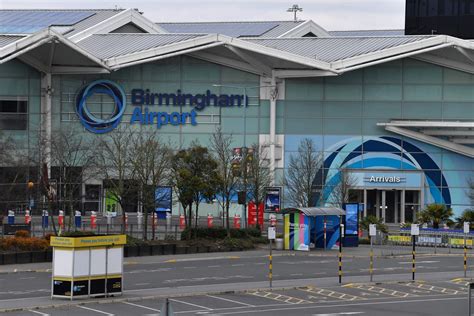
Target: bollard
(78,219)
(126,221)
(11,217)
(27,217)
(44,219)
(168,220)
(182,221)
(210,220)
(93,220)
(61,219)
(237,221)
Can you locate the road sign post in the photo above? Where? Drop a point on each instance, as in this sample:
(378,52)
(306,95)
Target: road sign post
(271,236)
(372,233)
(470,286)
(466,231)
(341,238)
(415,231)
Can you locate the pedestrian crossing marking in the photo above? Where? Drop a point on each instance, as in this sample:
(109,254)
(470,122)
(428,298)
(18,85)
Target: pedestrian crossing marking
(279,297)
(330,293)
(379,290)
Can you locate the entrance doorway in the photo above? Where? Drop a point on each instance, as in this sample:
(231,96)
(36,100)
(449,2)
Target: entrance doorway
(392,205)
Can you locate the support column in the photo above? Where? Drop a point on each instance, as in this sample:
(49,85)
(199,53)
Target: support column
(395,208)
(377,204)
(273,100)
(384,205)
(46,101)
(365,203)
(402,206)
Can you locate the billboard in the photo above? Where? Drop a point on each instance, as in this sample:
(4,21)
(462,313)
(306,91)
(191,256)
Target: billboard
(163,199)
(352,219)
(273,199)
(296,232)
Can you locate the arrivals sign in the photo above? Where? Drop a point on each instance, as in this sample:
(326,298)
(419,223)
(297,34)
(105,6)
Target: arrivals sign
(151,107)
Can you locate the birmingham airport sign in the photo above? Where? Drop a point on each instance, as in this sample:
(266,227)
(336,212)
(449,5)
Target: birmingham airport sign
(145,102)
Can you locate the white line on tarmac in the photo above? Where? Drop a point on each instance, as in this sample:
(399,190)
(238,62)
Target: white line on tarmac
(141,306)
(238,265)
(28,278)
(36,312)
(214,266)
(343,313)
(95,310)
(191,304)
(142,283)
(229,300)
(342,305)
(190,268)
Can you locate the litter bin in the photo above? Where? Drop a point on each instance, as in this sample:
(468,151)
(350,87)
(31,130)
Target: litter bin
(279,243)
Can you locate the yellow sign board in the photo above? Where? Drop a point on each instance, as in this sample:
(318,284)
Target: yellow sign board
(399,238)
(90,241)
(460,241)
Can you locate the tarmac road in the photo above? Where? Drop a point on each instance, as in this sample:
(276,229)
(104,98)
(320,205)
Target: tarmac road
(184,274)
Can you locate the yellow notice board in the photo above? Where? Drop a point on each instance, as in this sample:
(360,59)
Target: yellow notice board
(399,238)
(460,241)
(91,241)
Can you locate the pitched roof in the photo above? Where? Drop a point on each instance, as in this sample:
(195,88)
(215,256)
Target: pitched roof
(8,39)
(261,29)
(332,49)
(31,21)
(106,46)
(394,32)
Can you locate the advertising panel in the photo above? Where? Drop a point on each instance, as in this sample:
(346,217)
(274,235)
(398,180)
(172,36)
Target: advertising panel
(273,199)
(296,232)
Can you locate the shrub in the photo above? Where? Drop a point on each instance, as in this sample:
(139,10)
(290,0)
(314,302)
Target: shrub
(238,243)
(24,244)
(22,234)
(205,233)
(78,234)
(253,232)
(238,233)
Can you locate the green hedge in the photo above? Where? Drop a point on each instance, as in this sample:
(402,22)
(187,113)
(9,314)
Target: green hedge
(219,233)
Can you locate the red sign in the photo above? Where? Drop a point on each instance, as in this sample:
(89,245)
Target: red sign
(252,214)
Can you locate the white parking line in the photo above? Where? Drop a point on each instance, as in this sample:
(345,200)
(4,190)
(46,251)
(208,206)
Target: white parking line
(36,312)
(191,304)
(141,306)
(95,310)
(229,300)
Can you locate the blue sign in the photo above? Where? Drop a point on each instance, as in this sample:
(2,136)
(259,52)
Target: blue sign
(163,201)
(88,120)
(143,99)
(352,219)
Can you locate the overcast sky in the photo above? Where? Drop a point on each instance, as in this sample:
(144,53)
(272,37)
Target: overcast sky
(330,14)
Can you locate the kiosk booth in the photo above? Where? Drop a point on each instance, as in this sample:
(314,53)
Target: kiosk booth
(312,225)
(87,266)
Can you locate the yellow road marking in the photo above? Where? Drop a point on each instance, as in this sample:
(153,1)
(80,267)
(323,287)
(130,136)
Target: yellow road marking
(330,293)
(380,290)
(279,297)
(433,288)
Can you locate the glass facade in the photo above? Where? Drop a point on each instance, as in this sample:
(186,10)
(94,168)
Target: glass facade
(339,113)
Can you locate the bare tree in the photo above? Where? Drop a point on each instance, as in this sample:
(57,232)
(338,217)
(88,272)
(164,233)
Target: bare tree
(150,162)
(115,159)
(257,175)
(221,145)
(340,193)
(302,170)
(75,160)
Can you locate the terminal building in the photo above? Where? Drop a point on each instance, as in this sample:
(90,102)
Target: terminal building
(395,111)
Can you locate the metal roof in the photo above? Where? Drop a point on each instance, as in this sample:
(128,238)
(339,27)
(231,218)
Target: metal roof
(8,39)
(261,29)
(331,49)
(30,21)
(365,33)
(106,46)
(315,211)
